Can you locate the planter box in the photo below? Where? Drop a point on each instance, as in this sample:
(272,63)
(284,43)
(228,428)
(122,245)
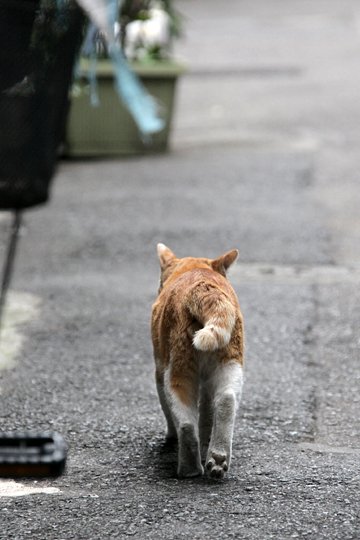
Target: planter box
(109,129)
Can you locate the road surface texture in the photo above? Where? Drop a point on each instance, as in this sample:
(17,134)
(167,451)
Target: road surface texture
(264,158)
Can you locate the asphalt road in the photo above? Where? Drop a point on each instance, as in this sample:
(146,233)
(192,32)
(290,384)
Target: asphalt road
(264,158)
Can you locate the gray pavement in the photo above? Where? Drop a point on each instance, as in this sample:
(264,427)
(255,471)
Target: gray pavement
(264,158)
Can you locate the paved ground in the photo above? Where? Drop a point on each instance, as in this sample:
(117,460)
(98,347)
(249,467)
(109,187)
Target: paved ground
(265,158)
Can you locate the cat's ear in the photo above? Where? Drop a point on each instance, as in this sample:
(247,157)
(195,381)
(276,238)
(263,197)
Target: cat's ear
(221,264)
(166,256)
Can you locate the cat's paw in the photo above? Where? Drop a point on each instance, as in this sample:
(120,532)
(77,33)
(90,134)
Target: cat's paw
(216,464)
(171,436)
(186,471)
(189,453)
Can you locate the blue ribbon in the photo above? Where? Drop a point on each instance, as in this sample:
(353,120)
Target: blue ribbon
(143,107)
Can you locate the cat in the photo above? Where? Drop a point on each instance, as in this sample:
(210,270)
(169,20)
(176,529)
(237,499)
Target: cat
(198,341)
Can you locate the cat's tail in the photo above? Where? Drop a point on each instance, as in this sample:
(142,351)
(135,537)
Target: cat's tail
(218,315)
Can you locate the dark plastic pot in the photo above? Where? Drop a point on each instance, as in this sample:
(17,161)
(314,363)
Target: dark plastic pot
(37,51)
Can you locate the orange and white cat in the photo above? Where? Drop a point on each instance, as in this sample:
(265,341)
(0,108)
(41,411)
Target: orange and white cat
(198,336)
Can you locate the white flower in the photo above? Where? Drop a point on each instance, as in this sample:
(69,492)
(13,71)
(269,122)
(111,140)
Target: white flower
(153,32)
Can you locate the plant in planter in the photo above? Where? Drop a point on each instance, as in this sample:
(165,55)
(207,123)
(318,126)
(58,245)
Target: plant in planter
(145,31)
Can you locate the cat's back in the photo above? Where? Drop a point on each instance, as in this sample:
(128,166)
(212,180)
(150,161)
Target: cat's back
(190,286)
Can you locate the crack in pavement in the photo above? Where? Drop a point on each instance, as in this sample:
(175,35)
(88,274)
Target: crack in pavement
(306,274)
(327,449)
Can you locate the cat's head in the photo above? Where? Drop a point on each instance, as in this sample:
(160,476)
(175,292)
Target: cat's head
(171,265)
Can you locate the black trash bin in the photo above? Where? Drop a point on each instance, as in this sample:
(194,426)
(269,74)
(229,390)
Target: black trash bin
(38,43)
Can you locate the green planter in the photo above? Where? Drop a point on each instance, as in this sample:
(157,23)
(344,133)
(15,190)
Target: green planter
(109,129)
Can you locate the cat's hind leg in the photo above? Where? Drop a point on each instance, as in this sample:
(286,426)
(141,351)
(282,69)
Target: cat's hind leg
(205,421)
(226,385)
(181,390)
(171,429)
